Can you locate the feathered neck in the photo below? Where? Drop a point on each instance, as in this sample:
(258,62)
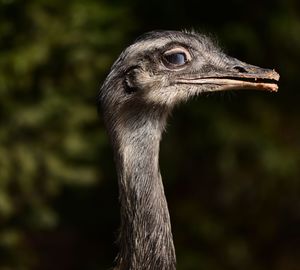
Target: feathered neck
(145,238)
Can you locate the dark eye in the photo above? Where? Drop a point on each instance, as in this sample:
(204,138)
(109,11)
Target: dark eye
(177,59)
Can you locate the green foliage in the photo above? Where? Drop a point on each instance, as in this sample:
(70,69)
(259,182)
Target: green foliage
(239,155)
(53,57)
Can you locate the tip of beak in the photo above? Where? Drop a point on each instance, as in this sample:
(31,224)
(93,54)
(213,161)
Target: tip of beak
(269,81)
(274,75)
(272,87)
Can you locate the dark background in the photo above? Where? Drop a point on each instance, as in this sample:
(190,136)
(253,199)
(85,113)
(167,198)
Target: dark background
(230,162)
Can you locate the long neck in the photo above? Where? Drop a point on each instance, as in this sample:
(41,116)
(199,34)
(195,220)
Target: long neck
(145,237)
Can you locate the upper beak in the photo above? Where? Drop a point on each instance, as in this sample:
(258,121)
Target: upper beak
(239,75)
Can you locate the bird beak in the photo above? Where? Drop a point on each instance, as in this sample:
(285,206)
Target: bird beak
(238,75)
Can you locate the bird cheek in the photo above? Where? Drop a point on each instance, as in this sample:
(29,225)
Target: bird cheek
(147,82)
(167,96)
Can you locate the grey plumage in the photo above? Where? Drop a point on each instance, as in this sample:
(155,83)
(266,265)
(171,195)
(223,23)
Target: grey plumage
(159,70)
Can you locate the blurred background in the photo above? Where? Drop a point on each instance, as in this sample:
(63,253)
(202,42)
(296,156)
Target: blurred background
(230,162)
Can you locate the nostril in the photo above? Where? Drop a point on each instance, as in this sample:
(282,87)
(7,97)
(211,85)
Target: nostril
(240,69)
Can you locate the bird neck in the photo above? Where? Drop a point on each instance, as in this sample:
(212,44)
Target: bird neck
(145,239)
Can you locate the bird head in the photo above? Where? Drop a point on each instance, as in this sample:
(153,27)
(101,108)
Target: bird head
(164,68)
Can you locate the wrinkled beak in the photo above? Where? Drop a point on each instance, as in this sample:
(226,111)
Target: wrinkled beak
(239,75)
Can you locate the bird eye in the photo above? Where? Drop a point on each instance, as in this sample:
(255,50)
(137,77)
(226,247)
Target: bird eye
(176,57)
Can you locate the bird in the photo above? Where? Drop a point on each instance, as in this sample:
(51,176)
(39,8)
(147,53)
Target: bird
(159,70)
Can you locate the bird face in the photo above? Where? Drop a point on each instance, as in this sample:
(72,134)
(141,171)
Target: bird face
(168,67)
